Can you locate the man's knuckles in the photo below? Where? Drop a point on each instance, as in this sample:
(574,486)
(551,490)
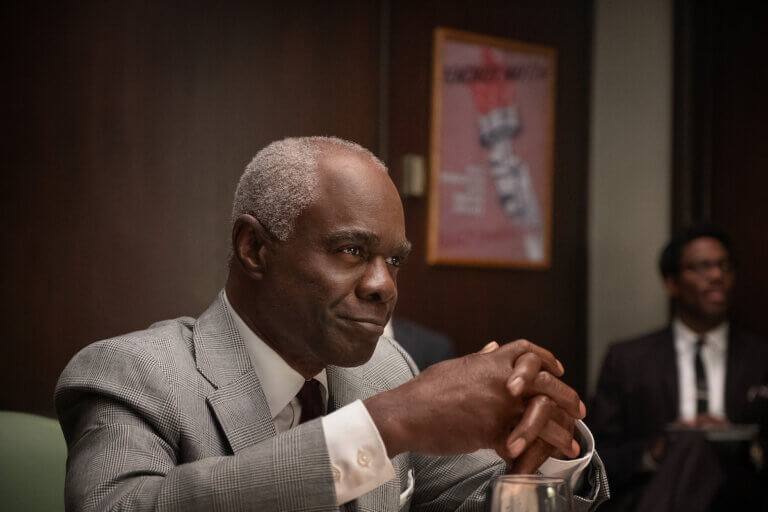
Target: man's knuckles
(563,394)
(542,402)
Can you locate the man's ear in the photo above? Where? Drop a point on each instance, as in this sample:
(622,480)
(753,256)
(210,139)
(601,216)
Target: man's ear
(670,283)
(250,242)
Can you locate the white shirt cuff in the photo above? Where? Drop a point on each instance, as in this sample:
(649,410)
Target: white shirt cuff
(358,456)
(572,470)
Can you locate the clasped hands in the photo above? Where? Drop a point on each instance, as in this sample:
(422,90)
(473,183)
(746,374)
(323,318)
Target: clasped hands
(507,398)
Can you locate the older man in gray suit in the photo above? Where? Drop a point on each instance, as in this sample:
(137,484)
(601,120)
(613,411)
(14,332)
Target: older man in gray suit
(283,395)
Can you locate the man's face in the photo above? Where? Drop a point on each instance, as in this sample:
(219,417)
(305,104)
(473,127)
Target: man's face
(702,290)
(333,283)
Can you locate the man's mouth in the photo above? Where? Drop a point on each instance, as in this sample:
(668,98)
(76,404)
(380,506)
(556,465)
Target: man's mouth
(365,320)
(715,295)
(367,323)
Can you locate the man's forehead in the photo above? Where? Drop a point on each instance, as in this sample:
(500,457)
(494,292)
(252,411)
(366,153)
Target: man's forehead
(354,196)
(355,178)
(339,162)
(704,246)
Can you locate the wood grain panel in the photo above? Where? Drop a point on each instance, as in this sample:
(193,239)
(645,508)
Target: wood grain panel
(126,126)
(739,153)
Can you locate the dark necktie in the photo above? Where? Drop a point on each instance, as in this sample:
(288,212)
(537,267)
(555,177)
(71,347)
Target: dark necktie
(311,400)
(702,391)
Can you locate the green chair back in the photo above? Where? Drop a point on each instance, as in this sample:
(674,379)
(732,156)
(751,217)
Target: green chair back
(33,458)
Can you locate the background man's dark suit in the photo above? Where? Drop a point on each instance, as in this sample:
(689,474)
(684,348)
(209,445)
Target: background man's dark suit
(637,395)
(424,345)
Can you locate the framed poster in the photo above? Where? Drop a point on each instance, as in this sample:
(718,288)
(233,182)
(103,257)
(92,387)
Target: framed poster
(493,115)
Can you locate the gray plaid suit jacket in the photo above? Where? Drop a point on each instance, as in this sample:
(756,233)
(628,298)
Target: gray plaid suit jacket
(174,418)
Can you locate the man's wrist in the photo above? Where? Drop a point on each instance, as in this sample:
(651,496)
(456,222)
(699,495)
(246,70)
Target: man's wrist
(384,413)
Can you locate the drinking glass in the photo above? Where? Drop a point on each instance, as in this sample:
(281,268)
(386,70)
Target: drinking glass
(530,493)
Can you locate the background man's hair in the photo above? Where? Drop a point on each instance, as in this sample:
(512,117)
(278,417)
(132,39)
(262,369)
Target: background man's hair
(669,262)
(281,180)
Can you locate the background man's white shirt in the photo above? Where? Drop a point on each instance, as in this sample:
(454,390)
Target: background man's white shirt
(713,356)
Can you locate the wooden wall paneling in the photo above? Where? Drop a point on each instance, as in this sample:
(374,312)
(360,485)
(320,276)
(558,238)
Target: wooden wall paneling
(739,151)
(126,126)
(720,155)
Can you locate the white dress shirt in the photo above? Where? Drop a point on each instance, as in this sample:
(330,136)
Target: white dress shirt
(359,460)
(713,356)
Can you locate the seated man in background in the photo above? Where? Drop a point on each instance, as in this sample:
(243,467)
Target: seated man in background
(284,395)
(699,372)
(423,344)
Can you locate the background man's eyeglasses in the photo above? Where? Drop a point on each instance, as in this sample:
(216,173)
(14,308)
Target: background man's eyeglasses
(704,267)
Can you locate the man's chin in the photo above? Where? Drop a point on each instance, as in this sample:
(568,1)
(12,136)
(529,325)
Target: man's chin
(361,352)
(354,364)
(715,316)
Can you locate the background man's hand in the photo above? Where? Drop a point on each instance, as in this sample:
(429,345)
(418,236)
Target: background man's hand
(708,421)
(703,420)
(501,398)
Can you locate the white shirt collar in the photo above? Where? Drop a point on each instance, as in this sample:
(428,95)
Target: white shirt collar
(389,332)
(685,338)
(279,381)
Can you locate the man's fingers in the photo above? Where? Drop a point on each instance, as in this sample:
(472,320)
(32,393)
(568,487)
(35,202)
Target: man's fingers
(556,436)
(526,369)
(559,432)
(546,384)
(490,347)
(559,437)
(532,458)
(545,420)
(535,417)
(548,361)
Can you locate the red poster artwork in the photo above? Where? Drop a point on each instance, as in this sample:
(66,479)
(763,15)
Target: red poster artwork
(491,158)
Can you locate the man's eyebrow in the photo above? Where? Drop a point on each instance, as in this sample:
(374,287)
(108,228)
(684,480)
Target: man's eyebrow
(404,249)
(362,237)
(350,235)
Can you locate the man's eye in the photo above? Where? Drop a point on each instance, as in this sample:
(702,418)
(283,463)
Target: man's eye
(395,261)
(354,251)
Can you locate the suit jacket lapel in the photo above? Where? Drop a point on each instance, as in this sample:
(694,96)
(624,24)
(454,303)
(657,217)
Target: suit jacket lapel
(345,385)
(735,388)
(666,366)
(238,401)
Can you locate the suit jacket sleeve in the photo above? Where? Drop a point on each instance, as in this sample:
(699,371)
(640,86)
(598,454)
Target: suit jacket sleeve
(608,419)
(123,439)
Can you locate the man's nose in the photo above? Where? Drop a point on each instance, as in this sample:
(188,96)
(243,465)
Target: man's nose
(715,272)
(377,283)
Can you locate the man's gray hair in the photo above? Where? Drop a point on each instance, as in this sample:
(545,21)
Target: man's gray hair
(281,180)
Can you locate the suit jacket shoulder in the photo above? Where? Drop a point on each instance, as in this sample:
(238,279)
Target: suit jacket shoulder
(151,363)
